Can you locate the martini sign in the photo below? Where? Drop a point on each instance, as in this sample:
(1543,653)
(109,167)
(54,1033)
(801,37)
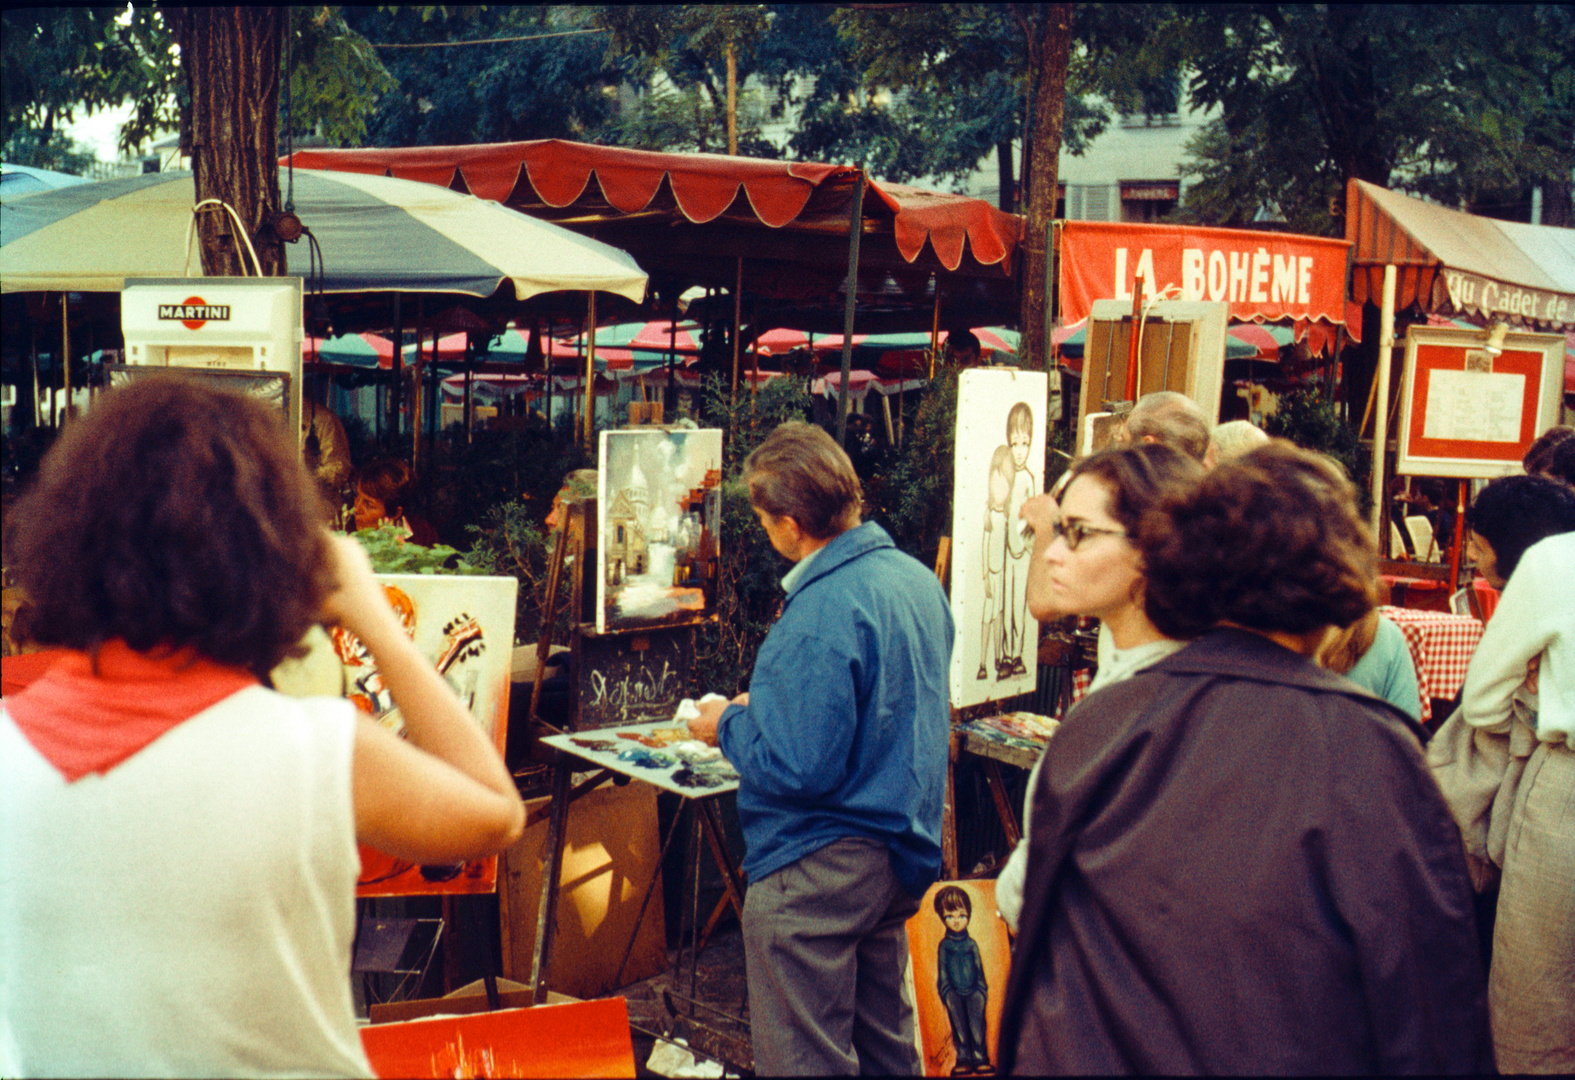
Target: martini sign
(194,312)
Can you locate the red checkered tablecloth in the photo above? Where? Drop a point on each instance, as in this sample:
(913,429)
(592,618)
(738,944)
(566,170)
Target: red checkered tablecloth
(1441,647)
(1080,682)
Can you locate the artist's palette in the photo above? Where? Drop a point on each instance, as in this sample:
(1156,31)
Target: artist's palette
(660,753)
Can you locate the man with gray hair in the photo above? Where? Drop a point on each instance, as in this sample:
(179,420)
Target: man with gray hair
(840,747)
(1170,419)
(1232,439)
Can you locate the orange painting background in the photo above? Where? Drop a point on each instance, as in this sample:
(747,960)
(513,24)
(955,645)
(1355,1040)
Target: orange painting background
(925,931)
(584,1038)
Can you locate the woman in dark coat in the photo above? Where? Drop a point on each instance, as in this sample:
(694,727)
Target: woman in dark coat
(1239,862)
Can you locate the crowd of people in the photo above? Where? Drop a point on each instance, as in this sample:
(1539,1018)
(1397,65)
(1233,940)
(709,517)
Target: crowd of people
(1241,854)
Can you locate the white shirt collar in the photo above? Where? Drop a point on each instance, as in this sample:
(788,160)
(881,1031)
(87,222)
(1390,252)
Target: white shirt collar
(798,570)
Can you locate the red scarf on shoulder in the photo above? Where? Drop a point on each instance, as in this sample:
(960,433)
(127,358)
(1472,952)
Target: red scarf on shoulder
(86,723)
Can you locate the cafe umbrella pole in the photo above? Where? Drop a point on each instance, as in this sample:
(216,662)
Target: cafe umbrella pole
(590,367)
(855,231)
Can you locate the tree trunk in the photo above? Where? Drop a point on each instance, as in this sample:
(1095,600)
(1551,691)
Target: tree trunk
(1556,205)
(1052,51)
(231,59)
(732,100)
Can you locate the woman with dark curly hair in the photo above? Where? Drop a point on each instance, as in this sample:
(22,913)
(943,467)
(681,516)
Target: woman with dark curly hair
(1239,862)
(178,870)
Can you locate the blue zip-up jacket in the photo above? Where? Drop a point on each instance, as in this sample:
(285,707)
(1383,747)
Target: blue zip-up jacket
(846,728)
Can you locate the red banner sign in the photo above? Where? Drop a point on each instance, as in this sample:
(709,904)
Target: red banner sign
(1263,276)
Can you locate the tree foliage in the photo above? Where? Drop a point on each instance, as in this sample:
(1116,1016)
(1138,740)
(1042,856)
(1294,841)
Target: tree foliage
(57,61)
(688,46)
(547,87)
(61,60)
(1459,102)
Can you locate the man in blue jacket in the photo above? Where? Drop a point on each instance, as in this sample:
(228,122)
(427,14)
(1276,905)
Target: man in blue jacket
(840,745)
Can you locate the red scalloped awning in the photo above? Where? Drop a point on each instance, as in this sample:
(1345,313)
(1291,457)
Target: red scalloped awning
(704,187)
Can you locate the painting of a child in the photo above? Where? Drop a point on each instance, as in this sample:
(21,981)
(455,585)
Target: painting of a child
(961,983)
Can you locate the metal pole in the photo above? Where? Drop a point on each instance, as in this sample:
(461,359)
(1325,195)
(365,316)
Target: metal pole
(855,231)
(397,364)
(590,366)
(32,343)
(1386,344)
(61,419)
(935,324)
(670,399)
(738,288)
(415,384)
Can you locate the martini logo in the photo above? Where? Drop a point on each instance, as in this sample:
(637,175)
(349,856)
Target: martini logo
(195,312)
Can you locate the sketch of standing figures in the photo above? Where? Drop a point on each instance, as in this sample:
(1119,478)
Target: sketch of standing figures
(1014,597)
(996,525)
(1000,443)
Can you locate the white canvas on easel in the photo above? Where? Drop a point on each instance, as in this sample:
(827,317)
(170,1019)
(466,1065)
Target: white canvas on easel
(999,465)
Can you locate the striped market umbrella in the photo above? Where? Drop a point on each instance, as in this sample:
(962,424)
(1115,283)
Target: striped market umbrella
(377,233)
(376,351)
(1236,347)
(1265,341)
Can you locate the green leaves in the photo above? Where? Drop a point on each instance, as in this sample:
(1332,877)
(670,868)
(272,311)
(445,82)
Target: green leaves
(335,75)
(391,553)
(1465,104)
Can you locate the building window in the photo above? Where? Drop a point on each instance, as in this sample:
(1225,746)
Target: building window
(1148,200)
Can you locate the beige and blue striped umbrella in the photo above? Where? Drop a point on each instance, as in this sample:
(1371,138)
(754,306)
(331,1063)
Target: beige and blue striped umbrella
(377,234)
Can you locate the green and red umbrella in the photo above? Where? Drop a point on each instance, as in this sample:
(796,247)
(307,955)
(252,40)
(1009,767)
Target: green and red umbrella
(376,351)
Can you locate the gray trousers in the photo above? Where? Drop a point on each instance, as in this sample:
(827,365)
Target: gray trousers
(826,944)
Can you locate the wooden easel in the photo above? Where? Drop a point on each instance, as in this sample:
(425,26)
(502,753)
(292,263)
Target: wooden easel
(572,551)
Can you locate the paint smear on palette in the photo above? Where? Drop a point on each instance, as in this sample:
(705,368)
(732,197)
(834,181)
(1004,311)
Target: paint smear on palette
(588,1038)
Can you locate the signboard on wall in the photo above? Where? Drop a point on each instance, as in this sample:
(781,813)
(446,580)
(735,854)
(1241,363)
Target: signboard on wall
(1468,413)
(1262,276)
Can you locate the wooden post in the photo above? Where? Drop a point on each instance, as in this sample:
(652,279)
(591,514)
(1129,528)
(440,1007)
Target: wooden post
(1133,340)
(1454,543)
(855,233)
(1386,344)
(949,813)
(552,860)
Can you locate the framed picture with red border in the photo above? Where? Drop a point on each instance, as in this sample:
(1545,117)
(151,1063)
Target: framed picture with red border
(1468,413)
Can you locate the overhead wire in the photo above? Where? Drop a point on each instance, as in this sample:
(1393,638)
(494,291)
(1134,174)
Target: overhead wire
(480,41)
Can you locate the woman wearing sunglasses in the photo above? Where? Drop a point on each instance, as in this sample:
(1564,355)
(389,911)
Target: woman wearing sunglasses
(1084,563)
(1240,864)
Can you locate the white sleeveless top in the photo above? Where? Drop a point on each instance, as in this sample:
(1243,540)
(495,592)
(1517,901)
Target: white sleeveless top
(190,912)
